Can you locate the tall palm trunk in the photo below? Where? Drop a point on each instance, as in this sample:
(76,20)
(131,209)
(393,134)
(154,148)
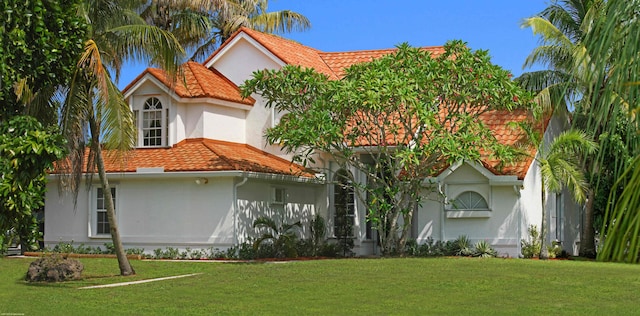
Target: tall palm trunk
(123,262)
(544,252)
(587,240)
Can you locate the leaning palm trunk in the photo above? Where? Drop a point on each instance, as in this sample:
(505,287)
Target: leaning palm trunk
(123,261)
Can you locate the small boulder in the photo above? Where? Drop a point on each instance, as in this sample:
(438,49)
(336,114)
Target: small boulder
(54,268)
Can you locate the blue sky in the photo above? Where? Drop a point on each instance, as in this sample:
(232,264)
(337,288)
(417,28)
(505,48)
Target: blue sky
(344,25)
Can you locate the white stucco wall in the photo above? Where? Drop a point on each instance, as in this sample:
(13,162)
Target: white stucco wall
(531,200)
(151,213)
(255,199)
(498,226)
(157,213)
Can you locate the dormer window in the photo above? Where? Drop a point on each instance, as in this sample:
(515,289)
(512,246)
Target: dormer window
(152,124)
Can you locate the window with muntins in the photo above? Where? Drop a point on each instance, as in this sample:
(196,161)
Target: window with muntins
(344,205)
(101,220)
(152,123)
(469,201)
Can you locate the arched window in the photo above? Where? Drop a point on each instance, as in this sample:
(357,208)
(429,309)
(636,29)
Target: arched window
(344,205)
(469,200)
(152,129)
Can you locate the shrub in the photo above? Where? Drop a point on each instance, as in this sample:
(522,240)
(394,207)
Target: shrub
(531,248)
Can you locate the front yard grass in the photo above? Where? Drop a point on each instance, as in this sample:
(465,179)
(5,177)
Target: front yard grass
(321,287)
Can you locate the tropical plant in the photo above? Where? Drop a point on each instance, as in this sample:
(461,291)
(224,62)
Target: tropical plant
(483,249)
(390,109)
(116,33)
(560,166)
(463,246)
(562,27)
(204,25)
(612,46)
(283,237)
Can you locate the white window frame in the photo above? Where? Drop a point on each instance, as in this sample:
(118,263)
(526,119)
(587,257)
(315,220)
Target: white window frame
(352,204)
(139,116)
(94,211)
(454,211)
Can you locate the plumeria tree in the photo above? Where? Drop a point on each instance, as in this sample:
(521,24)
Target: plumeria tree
(398,119)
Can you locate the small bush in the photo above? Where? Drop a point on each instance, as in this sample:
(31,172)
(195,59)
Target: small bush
(531,248)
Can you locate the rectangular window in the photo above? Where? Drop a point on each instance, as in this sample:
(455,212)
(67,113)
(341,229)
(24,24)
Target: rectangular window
(278,196)
(101,219)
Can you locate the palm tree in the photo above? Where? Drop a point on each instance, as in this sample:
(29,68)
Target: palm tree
(210,23)
(116,33)
(562,27)
(560,166)
(613,46)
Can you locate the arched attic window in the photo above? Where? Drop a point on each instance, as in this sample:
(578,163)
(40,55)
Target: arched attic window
(153,124)
(469,201)
(468,204)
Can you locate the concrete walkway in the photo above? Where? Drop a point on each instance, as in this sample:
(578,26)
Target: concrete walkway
(137,282)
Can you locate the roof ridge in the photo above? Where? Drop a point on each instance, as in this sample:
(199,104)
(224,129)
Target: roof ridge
(195,76)
(224,158)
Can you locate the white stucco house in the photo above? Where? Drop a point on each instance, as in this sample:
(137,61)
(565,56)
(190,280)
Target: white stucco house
(202,171)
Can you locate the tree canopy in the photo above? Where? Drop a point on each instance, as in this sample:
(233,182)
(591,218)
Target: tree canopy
(398,119)
(27,151)
(40,43)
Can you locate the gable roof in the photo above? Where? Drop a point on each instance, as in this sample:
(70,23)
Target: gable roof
(331,64)
(203,155)
(197,81)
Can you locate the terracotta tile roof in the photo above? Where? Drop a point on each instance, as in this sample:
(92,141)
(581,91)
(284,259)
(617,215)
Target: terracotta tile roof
(339,61)
(197,81)
(331,64)
(203,155)
(498,123)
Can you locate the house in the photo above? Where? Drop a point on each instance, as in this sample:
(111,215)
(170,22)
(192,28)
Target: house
(202,170)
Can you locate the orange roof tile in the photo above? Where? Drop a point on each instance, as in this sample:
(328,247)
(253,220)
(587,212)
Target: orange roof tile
(331,64)
(339,61)
(197,81)
(203,155)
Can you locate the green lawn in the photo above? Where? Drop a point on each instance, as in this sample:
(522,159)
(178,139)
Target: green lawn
(351,286)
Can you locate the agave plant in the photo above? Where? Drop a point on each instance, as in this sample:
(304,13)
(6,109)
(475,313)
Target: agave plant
(484,250)
(283,238)
(462,245)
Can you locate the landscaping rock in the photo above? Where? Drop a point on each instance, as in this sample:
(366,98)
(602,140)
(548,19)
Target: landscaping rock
(54,268)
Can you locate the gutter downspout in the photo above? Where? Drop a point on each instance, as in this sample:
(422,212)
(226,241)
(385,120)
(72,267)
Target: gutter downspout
(235,208)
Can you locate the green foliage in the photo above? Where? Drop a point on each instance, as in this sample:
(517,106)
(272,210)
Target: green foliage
(40,41)
(27,151)
(318,228)
(462,245)
(484,250)
(409,113)
(283,238)
(531,247)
